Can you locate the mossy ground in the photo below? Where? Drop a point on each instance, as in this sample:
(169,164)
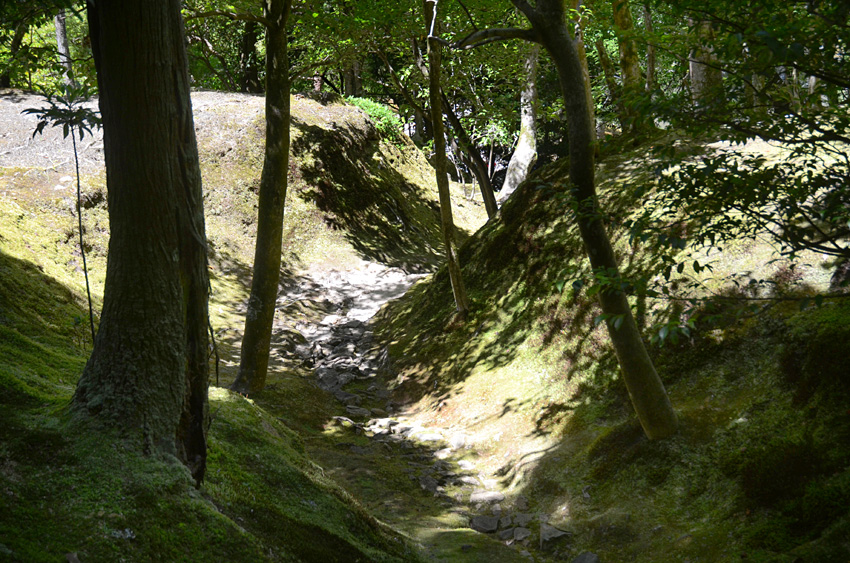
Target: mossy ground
(759,470)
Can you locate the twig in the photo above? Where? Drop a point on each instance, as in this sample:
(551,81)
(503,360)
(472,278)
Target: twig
(80,221)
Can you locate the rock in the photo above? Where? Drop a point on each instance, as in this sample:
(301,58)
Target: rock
(521,533)
(505,521)
(443,454)
(328,378)
(348,398)
(343,421)
(506,535)
(428,483)
(330,320)
(487,497)
(586,557)
(72,558)
(484,524)
(457,441)
(379,412)
(549,533)
(358,411)
(383,422)
(523,519)
(470,480)
(521,503)
(466,465)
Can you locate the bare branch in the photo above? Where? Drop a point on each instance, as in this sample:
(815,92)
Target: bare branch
(468,15)
(484,36)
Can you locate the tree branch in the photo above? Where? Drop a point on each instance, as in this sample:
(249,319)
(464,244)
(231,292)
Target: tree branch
(485,36)
(229,15)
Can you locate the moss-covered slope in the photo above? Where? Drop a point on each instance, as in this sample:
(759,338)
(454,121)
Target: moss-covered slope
(760,469)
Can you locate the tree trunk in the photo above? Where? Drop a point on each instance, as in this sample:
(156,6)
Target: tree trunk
(525,153)
(633,84)
(148,372)
(62,48)
(14,47)
(249,75)
(479,167)
(447,222)
(647,393)
(650,50)
(613,87)
(254,362)
(706,78)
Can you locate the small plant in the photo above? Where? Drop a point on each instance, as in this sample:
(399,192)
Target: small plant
(66,109)
(387,121)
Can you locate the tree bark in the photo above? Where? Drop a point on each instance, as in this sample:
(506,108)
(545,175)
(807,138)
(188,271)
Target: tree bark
(14,47)
(62,47)
(647,393)
(706,78)
(525,153)
(253,366)
(446,219)
(614,92)
(148,373)
(650,50)
(249,76)
(633,83)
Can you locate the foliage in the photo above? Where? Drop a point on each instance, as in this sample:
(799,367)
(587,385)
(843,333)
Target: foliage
(387,121)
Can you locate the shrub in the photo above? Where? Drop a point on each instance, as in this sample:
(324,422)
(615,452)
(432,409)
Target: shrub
(387,121)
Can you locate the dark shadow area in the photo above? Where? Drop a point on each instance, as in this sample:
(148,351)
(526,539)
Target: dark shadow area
(385,217)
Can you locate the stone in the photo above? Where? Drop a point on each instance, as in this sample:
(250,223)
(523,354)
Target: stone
(328,378)
(466,465)
(379,412)
(443,454)
(521,533)
(457,441)
(506,535)
(523,519)
(348,398)
(586,557)
(425,436)
(72,558)
(487,497)
(358,411)
(470,480)
(521,503)
(506,521)
(484,524)
(383,422)
(343,421)
(549,533)
(428,483)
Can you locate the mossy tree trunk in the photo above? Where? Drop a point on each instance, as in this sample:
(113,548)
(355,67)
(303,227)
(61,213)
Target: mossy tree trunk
(647,393)
(611,84)
(525,153)
(148,373)
(650,50)
(254,362)
(441,162)
(633,83)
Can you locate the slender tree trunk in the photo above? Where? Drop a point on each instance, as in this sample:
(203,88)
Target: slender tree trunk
(479,167)
(650,50)
(254,362)
(647,393)
(525,153)
(14,47)
(62,47)
(447,222)
(582,54)
(706,78)
(249,75)
(614,92)
(148,373)
(633,83)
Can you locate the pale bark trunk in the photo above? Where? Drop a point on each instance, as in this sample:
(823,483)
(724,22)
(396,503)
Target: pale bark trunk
(647,393)
(706,78)
(148,372)
(447,221)
(62,48)
(254,362)
(525,154)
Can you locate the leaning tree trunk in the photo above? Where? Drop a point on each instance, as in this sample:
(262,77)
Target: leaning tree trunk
(148,373)
(647,393)
(254,362)
(441,165)
(525,153)
(62,47)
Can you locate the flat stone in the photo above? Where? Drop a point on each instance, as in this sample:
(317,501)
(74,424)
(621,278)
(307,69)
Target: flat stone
(383,422)
(521,503)
(358,411)
(443,454)
(521,533)
(505,521)
(428,483)
(523,519)
(457,441)
(484,524)
(330,320)
(343,421)
(466,465)
(487,497)
(586,557)
(348,398)
(426,436)
(506,535)
(379,412)
(470,480)
(549,533)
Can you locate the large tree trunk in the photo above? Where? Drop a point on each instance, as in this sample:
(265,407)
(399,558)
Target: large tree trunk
(148,372)
(441,165)
(249,71)
(254,363)
(14,47)
(62,47)
(647,393)
(525,153)
(633,84)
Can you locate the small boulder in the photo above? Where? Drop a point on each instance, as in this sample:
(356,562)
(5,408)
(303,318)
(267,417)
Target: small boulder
(358,411)
(586,557)
(484,524)
(487,497)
